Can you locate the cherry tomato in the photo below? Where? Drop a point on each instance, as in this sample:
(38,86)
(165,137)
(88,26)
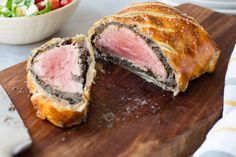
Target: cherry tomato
(55,4)
(37,1)
(40,6)
(65,2)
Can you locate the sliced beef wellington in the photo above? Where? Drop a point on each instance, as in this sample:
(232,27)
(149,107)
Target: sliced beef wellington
(60,76)
(157,42)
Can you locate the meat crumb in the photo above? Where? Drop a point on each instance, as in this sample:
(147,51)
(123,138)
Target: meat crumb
(110,125)
(184,14)
(144,102)
(128,109)
(12,108)
(99,67)
(109,116)
(19,91)
(63,139)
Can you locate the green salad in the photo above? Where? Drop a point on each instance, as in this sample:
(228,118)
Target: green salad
(18,8)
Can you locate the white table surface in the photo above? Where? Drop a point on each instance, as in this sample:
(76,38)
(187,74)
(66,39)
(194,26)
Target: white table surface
(87,13)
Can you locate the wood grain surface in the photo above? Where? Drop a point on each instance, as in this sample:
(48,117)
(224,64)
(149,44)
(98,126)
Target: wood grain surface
(129,117)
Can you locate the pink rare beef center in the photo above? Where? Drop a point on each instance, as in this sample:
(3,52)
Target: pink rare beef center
(58,66)
(124,43)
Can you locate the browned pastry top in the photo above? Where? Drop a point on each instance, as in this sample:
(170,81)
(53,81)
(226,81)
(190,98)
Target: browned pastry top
(189,49)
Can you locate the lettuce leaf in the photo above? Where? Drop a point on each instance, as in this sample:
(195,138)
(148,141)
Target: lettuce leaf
(29,3)
(9,4)
(10,10)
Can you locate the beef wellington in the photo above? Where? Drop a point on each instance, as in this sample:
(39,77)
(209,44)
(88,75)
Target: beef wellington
(157,42)
(60,76)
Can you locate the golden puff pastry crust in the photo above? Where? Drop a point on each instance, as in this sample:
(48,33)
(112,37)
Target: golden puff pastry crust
(54,109)
(186,45)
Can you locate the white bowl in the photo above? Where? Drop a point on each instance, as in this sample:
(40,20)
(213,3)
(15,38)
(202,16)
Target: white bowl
(26,30)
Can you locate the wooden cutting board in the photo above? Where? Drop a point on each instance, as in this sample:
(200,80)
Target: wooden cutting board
(129,117)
